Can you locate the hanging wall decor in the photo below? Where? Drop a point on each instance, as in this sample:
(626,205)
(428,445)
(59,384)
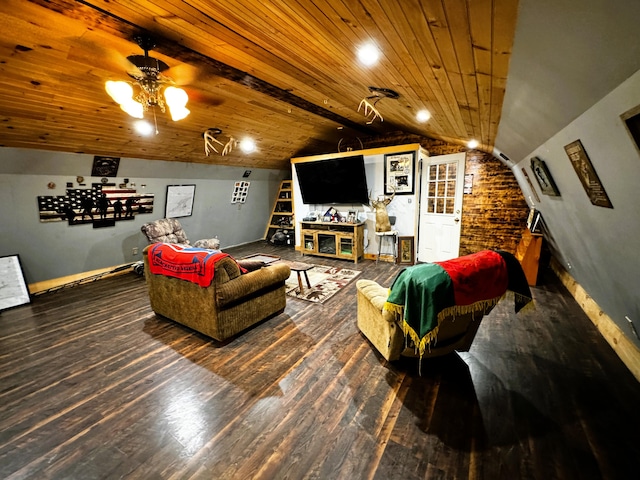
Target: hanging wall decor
(530,183)
(240,192)
(468,184)
(631,120)
(398,173)
(13,288)
(587,174)
(179,200)
(105,166)
(101,205)
(544,178)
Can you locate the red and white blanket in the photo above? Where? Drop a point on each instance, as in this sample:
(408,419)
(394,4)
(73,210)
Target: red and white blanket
(184,262)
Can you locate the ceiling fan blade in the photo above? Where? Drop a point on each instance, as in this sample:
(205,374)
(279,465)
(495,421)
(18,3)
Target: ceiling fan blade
(201,97)
(182,74)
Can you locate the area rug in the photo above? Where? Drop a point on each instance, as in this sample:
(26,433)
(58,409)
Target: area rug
(325,283)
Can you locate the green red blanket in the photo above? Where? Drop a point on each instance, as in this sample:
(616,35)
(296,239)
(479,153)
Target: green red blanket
(184,262)
(422,295)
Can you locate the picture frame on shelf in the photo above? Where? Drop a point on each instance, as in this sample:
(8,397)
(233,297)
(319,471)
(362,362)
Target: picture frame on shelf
(15,291)
(399,171)
(406,251)
(180,200)
(544,178)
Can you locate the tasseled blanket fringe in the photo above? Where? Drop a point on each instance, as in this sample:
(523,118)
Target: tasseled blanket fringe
(421,344)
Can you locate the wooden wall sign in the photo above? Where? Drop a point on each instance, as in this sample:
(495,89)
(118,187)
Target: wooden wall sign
(587,174)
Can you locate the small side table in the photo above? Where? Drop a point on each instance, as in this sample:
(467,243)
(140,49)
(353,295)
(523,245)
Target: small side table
(301,268)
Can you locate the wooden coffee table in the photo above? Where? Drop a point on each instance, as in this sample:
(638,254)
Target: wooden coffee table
(301,268)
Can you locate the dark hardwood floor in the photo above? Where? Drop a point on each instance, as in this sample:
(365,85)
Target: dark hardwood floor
(94,386)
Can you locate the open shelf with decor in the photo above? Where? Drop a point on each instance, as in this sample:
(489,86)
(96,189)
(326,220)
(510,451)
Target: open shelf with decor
(282,213)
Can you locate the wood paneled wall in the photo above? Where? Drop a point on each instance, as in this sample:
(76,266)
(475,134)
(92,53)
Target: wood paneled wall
(494,215)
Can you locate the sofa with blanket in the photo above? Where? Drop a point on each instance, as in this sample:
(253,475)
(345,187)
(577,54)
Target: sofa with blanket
(435,308)
(208,291)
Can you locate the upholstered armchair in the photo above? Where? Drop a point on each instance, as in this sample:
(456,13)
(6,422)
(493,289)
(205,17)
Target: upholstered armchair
(169,230)
(232,301)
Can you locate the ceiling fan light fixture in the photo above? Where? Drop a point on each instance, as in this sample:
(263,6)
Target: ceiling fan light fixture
(154,88)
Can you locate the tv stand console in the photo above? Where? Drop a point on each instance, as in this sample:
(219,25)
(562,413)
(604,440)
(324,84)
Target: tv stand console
(331,239)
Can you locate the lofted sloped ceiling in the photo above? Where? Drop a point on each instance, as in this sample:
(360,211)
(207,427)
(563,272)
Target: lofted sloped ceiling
(284,73)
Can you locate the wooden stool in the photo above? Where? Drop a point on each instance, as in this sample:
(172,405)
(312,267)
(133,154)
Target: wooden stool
(299,268)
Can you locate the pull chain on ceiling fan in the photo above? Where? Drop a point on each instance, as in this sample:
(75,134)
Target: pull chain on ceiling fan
(155,89)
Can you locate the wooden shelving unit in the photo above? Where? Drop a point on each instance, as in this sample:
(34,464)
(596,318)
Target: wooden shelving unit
(282,212)
(335,240)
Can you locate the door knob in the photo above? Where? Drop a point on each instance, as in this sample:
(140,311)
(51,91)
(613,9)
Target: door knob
(456,219)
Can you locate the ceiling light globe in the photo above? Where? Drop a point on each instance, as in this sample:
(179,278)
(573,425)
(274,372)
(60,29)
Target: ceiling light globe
(176,97)
(178,113)
(423,116)
(472,143)
(247,145)
(133,108)
(121,92)
(368,54)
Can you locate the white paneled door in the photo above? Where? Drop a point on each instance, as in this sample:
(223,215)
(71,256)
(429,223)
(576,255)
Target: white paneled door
(441,192)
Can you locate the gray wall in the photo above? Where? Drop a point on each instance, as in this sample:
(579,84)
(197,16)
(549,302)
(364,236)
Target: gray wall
(598,246)
(55,249)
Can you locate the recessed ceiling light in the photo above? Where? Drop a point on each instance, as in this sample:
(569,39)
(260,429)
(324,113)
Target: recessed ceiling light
(472,143)
(143,127)
(423,116)
(247,145)
(368,54)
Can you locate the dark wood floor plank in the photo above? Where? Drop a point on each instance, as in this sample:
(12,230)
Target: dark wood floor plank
(94,385)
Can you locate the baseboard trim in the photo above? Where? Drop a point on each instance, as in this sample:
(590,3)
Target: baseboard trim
(55,283)
(628,352)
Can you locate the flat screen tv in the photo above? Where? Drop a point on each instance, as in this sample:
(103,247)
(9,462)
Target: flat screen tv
(336,180)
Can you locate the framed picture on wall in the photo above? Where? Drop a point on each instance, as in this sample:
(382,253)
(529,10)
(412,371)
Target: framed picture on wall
(14,291)
(179,200)
(405,251)
(105,166)
(631,120)
(398,173)
(544,178)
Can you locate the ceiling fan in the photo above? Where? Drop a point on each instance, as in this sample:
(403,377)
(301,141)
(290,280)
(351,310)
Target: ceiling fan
(154,87)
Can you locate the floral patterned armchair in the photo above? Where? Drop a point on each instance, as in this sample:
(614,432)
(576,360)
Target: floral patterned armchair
(169,230)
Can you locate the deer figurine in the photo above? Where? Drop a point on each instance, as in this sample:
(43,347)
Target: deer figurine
(380,207)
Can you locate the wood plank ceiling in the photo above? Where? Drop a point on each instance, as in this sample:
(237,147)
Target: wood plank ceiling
(283,73)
